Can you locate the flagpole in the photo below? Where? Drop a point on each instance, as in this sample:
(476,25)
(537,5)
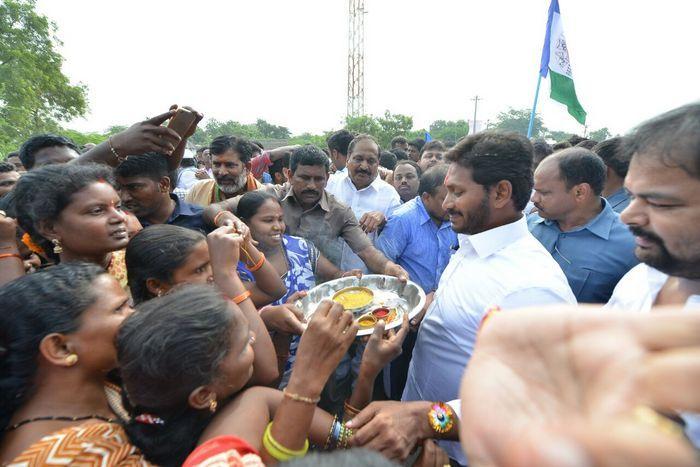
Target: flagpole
(534,106)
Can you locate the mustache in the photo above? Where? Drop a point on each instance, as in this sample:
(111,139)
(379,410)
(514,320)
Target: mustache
(638,232)
(309,192)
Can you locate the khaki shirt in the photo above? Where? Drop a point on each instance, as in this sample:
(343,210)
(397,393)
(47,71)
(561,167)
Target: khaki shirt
(328,225)
(203,193)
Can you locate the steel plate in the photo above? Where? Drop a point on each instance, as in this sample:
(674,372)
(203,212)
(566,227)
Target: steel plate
(388,292)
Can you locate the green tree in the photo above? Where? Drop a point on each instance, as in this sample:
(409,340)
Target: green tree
(382,128)
(363,124)
(600,135)
(34,94)
(80,138)
(517,120)
(558,136)
(114,129)
(308,138)
(449,131)
(268,130)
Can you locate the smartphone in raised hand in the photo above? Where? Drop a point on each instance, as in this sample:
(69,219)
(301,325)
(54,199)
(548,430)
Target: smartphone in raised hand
(182,121)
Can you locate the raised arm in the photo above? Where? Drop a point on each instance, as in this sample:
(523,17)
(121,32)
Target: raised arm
(359,243)
(146,136)
(268,285)
(218,214)
(224,244)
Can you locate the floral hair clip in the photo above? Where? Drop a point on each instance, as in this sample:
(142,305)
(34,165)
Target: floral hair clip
(148,419)
(27,240)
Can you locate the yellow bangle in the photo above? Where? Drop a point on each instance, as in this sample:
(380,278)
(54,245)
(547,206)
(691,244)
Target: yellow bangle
(278,451)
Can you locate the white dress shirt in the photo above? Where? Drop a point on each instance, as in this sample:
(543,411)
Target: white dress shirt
(637,291)
(505,267)
(378,196)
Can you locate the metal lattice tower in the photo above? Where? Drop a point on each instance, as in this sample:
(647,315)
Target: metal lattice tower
(356,58)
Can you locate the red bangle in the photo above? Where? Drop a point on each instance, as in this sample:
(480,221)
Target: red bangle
(240,298)
(259,264)
(216,218)
(11,255)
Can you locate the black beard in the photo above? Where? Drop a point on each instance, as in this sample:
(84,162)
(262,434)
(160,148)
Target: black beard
(663,260)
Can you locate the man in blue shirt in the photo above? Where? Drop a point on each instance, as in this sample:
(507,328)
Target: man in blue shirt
(418,237)
(578,227)
(617,163)
(144,188)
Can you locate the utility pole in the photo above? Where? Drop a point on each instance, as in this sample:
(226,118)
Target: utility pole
(356,58)
(476,100)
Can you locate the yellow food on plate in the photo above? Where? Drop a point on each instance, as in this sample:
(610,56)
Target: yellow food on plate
(366,321)
(354,298)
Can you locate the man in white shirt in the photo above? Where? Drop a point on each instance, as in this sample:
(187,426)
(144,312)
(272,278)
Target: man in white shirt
(371,199)
(498,264)
(664,215)
(186,174)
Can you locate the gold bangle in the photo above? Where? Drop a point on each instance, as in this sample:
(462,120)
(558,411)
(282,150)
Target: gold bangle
(330,433)
(350,411)
(120,159)
(298,398)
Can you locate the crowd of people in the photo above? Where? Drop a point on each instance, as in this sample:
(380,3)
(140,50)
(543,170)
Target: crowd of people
(149,297)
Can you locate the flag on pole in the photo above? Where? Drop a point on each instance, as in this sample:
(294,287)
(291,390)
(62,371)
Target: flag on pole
(428,137)
(555,60)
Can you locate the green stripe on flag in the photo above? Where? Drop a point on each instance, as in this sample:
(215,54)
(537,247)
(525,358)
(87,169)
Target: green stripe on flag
(563,91)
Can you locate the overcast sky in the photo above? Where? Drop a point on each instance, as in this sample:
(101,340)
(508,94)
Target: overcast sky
(286,60)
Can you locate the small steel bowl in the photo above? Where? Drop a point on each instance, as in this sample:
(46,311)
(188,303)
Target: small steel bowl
(367,321)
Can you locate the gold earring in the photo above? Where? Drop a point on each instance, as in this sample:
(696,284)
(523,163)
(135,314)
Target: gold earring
(57,248)
(71,359)
(213,405)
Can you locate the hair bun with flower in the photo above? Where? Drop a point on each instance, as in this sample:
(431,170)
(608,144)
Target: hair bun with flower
(27,240)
